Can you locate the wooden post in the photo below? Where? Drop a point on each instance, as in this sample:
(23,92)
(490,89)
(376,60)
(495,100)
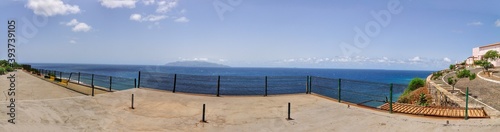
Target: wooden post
(92,84)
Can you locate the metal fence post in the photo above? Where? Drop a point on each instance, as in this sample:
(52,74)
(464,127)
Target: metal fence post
(340,80)
(60,76)
(218,86)
(175,82)
(467,103)
(310,84)
(92,81)
(307,85)
(78,77)
(390,100)
(135,82)
(110,82)
(265,90)
(93,85)
(139,80)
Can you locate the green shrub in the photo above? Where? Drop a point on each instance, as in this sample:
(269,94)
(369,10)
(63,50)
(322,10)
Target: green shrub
(463,73)
(436,75)
(422,100)
(2,71)
(414,84)
(452,67)
(9,69)
(451,81)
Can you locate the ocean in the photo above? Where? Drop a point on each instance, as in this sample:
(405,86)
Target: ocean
(361,86)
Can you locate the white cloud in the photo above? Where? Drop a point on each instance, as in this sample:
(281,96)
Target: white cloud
(415,59)
(51,7)
(165,6)
(118,3)
(182,20)
(153,18)
(81,27)
(475,23)
(135,17)
(150,18)
(222,60)
(73,22)
(446,59)
(497,23)
(72,41)
(148,2)
(200,59)
(78,26)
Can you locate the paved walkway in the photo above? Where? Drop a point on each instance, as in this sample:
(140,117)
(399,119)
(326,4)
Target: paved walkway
(157,110)
(29,87)
(481,90)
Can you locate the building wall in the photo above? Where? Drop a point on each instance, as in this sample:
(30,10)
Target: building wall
(483,50)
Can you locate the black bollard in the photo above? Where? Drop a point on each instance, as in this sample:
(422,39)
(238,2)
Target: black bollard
(289,112)
(132,107)
(203,115)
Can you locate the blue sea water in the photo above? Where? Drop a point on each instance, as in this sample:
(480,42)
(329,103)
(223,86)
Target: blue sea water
(360,86)
(131,71)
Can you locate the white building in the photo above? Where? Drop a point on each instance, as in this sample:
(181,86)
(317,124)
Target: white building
(478,52)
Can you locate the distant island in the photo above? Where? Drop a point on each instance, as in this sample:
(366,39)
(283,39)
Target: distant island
(194,64)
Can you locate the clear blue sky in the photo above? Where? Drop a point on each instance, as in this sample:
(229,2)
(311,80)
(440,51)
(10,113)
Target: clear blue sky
(420,35)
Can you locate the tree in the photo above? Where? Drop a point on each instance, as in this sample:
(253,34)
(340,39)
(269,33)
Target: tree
(460,74)
(452,67)
(491,55)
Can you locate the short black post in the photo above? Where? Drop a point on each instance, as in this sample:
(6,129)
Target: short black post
(139,80)
(203,115)
(289,112)
(110,82)
(78,77)
(218,86)
(135,83)
(60,76)
(265,93)
(132,107)
(175,82)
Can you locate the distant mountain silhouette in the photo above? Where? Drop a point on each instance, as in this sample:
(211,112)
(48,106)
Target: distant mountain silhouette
(194,64)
